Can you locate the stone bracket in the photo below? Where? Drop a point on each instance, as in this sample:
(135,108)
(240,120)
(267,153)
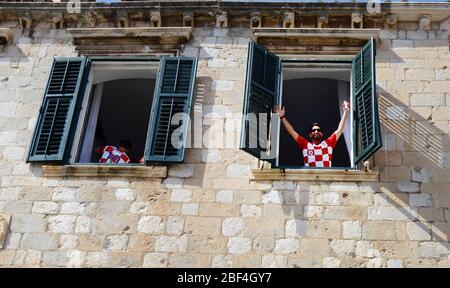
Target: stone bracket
(104,171)
(5,36)
(5,220)
(316,175)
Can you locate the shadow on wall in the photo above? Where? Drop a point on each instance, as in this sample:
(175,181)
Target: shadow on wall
(416,151)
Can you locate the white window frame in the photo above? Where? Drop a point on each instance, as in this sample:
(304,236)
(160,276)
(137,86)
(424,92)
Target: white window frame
(304,64)
(100,72)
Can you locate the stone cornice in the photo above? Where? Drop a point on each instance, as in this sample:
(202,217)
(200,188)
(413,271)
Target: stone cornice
(232,13)
(316,175)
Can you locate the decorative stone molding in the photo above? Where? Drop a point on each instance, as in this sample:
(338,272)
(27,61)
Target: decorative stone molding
(424,22)
(391,19)
(25,20)
(288,20)
(316,175)
(188,19)
(5,36)
(322,21)
(104,171)
(222,19)
(58,21)
(4,228)
(136,40)
(357,20)
(122,19)
(314,41)
(255,20)
(155,19)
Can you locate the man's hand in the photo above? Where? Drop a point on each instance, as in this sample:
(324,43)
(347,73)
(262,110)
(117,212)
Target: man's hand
(346,106)
(279,111)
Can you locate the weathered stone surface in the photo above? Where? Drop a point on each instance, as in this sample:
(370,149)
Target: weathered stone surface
(238,245)
(150,225)
(39,241)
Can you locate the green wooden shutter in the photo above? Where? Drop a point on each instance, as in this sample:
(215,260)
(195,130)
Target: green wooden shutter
(173,94)
(57,117)
(366,124)
(261,94)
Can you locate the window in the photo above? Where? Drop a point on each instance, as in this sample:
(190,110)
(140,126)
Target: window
(272,81)
(94,101)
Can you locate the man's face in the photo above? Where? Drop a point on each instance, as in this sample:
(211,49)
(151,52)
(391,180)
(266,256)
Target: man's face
(316,133)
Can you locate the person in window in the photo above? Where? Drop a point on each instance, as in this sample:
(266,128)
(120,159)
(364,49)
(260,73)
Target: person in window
(318,152)
(115,155)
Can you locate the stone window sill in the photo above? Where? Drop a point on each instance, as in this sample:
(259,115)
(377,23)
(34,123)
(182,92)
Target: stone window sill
(104,171)
(316,175)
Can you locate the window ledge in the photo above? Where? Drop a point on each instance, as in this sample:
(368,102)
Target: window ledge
(5,36)
(316,174)
(104,171)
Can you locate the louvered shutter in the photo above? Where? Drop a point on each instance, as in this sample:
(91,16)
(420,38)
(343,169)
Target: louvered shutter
(366,123)
(261,94)
(57,115)
(173,96)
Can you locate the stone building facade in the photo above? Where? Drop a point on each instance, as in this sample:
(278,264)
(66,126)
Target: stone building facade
(220,207)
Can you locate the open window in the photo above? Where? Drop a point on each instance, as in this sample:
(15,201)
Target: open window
(312,90)
(92,102)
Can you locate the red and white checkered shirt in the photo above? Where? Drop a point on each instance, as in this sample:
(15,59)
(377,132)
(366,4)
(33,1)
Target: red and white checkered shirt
(317,155)
(113,154)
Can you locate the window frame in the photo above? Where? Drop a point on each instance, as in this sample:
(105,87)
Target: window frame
(320,61)
(87,102)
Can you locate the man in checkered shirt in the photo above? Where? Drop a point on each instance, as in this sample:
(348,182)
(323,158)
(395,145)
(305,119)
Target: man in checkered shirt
(319,152)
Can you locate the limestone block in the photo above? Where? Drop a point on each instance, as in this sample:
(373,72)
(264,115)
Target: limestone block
(434,249)
(125,194)
(181,195)
(203,226)
(5,220)
(392,213)
(96,259)
(331,262)
(418,231)
(28,223)
(45,207)
(39,241)
(379,230)
(61,223)
(287,246)
(427,99)
(150,225)
(295,228)
(395,263)
(351,229)
(189,209)
(171,243)
(343,248)
(222,261)
(205,244)
(155,260)
(224,196)
(181,171)
(232,227)
(251,210)
(175,225)
(238,245)
(420,200)
(116,242)
(274,261)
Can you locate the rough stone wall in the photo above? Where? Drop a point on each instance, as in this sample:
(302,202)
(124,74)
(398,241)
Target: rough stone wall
(207,212)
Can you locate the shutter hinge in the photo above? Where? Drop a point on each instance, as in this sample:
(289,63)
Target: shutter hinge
(41,110)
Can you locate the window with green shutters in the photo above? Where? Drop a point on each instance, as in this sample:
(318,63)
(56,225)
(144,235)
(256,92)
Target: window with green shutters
(70,89)
(367,132)
(263,91)
(171,109)
(58,112)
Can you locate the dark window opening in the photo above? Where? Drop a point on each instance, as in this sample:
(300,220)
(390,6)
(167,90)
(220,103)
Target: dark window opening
(309,100)
(122,113)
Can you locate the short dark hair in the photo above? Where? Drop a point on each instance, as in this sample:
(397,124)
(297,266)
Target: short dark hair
(312,125)
(125,144)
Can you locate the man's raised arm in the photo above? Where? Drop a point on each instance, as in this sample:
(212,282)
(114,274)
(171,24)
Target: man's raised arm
(341,127)
(281,111)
